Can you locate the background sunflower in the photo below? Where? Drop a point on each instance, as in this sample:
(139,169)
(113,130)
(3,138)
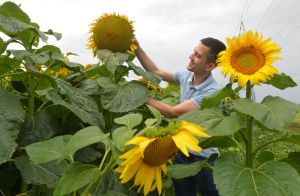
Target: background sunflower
(113,32)
(249,58)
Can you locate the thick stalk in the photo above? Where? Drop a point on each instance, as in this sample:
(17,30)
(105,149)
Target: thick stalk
(249,154)
(31,96)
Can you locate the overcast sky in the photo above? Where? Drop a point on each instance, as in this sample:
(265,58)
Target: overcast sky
(170,29)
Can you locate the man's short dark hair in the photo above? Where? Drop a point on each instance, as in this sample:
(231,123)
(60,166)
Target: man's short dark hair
(215,47)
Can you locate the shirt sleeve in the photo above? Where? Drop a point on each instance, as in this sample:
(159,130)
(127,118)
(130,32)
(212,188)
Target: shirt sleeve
(176,77)
(198,100)
(179,76)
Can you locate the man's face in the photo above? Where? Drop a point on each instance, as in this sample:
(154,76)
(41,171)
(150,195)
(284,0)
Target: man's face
(199,59)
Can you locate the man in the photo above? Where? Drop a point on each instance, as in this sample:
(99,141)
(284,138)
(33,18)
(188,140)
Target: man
(195,84)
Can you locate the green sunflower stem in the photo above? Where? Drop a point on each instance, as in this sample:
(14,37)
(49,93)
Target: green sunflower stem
(249,130)
(31,96)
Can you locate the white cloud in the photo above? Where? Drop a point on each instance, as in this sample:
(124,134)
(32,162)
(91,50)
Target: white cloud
(168,30)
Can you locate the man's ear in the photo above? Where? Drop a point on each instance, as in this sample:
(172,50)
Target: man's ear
(211,66)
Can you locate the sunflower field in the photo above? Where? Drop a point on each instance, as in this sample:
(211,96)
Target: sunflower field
(72,129)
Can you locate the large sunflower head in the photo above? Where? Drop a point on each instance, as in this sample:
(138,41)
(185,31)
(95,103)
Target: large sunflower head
(150,155)
(249,58)
(112,31)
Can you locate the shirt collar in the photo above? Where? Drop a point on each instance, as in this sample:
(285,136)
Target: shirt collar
(203,84)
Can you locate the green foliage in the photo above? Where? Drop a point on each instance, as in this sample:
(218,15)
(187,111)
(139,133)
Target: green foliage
(294,160)
(217,97)
(124,97)
(282,81)
(11,118)
(34,173)
(48,150)
(129,120)
(272,112)
(216,123)
(185,170)
(75,176)
(83,138)
(41,126)
(272,178)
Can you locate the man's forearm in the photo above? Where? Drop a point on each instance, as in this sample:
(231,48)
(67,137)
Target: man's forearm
(165,109)
(146,62)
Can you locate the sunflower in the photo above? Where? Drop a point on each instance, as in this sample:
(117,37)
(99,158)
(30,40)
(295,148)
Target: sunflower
(249,58)
(113,32)
(149,156)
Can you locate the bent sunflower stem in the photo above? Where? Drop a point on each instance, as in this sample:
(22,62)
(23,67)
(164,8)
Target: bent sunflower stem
(103,159)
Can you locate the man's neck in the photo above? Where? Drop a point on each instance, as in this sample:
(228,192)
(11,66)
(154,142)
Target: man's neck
(199,78)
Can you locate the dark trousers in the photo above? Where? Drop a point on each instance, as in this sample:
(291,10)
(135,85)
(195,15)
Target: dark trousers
(202,182)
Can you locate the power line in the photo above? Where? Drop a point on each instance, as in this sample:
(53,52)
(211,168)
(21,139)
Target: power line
(284,40)
(266,12)
(286,25)
(242,15)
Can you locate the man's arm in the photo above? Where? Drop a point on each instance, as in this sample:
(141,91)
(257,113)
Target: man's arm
(150,66)
(173,111)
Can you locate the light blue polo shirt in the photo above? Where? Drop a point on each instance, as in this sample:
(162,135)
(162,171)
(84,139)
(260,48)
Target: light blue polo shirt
(196,94)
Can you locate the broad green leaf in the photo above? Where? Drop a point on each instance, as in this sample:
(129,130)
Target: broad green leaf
(112,60)
(216,97)
(7,64)
(43,81)
(12,10)
(129,120)
(75,176)
(185,170)
(265,156)
(54,52)
(232,178)
(282,81)
(83,138)
(90,86)
(150,122)
(2,46)
(216,123)
(72,66)
(217,141)
(87,155)
(116,98)
(153,78)
(34,173)
(83,106)
(120,136)
(156,114)
(294,160)
(294,139)
(12,116)
(273,112)
(40,58)
(110,182)
(12,26)
(48,150)
(28,37)
(55,34)
(41,126)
